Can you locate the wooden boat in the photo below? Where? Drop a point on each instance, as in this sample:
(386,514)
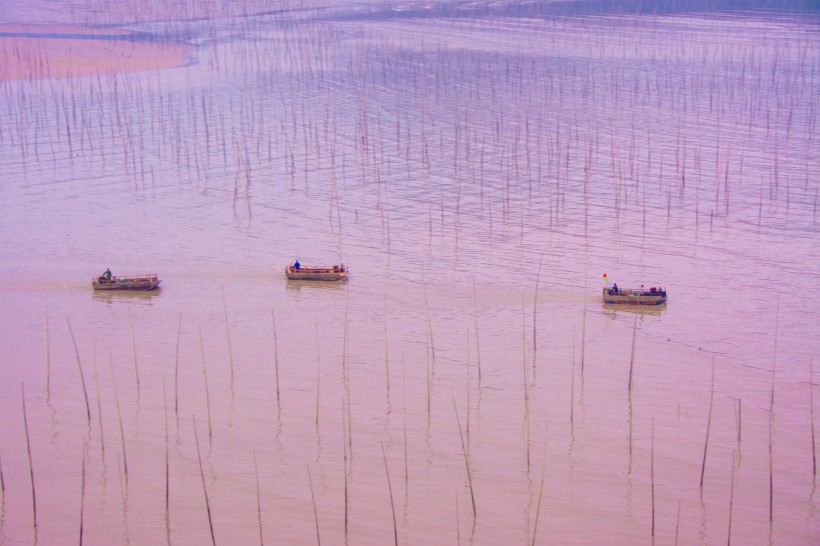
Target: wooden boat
(317,272)
(136,282)
(635,296)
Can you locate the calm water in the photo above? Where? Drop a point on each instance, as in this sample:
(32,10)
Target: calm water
(479,166)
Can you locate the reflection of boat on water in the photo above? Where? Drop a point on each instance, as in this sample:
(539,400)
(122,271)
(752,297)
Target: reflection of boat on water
(634,296)
(137,297)
(135,282)
(314,286)
(611,310)
(316,273)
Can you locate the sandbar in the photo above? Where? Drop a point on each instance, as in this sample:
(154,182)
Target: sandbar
(29,52)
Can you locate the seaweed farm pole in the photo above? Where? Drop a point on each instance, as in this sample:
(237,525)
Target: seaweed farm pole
(771,418)
(632,356)
(652,475)
(535,311)
(119,416)
(82,489)
(80,367)
(30,465)
(48,362)
(313,501)
(583,338)
(134,348)
(207,393)
(2,479)
(346,462)
(386,352)
(318,374)
(258,502)
(708,425)
(227,332)
(167,469)
(392,503)
(466,458)
(176,373)
(540,493)
(572,387)
(99,409)
(731,500)
(276,361)
(811,420)
(477,344)
(204,488)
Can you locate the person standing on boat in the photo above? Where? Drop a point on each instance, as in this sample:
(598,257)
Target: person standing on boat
(615,288)
(107,274)
(297,265)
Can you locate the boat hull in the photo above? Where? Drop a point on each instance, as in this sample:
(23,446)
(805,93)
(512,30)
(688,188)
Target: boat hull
(146,282)
(634,297)
(331,273)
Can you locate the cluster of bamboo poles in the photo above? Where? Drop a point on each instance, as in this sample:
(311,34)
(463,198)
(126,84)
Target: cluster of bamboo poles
(462,416)
(583,143)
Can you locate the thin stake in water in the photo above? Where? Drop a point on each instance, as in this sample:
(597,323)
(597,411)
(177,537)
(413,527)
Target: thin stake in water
(392,502)
(204,488)
(30,464)
(466,459)
(708,426)
(119,416)
(48,362)
(80,368)
(315,511)
(134,349)
(227,333)
(276,361)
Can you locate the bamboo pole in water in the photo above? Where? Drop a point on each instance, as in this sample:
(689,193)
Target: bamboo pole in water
(535,312)
(540,494)
(632,355)
(477,344)
(176,372)
(386,352)
(134,349)
(227,333)
(811,419)
(318,374)
(207,392)
(677,524)
(276,361)
(82,490)
(119,415)
(258,502)
(652,475)
(2,479)
(731,500)
(99,402)
(392,502)
(30,464)
(315,512)
(167,469)
(708,426)
(82,376)
(466,460)
(204,488)
(48,362)
(346,477)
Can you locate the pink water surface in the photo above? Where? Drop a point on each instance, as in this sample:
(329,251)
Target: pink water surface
(478,167)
